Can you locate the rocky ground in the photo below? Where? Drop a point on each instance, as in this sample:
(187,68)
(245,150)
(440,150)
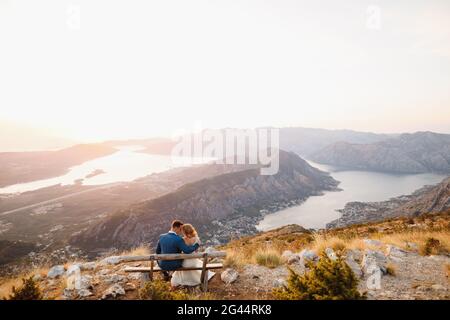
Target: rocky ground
(401,274)
(403,258)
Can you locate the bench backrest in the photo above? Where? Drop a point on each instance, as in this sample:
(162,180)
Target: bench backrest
(175,256)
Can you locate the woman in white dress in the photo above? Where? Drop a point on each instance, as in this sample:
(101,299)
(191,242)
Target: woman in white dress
(189,278)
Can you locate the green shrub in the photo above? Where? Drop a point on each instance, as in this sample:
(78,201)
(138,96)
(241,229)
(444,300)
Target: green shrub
(29,291)
(160,290)
(326,280)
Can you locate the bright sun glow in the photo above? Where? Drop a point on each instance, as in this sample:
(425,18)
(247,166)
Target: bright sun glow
(95,70)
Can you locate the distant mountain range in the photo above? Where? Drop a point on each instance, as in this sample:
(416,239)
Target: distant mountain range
(408,153)
(307,141)
(405,153)
(219,197)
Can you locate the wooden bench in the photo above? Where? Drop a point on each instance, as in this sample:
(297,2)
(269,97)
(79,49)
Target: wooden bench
(147,272)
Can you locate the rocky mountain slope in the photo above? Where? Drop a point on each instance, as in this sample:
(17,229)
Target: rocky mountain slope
(210,204)
(429,199)
(409,153)
(397,252)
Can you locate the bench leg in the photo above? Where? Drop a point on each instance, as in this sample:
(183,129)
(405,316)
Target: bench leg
(205,282)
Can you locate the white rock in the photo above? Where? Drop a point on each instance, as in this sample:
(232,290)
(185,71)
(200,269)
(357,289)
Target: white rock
(104,272)
(438,287)
(354,266)
(88,266)
(67,294)
(83,293)
(73,275)
(372,242)
(355,254)
(372,260)
(229,275)
(210,250)
(85,282)
(290,257)
(112,260)
(395,251)
(134,276)
(113,291)
(330,254)
(114,278)
(308,255)
(56,271)
(278,283)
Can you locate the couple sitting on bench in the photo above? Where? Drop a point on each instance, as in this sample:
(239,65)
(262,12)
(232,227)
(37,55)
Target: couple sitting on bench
(182,238)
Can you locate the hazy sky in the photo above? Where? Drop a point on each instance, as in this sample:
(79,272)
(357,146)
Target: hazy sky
(100,69)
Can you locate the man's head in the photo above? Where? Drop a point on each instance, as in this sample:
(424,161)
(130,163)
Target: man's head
(176,227)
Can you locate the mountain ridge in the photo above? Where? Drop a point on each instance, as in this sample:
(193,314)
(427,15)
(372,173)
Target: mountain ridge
(418,152)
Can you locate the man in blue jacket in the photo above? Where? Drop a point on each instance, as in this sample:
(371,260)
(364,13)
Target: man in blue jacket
(172,242)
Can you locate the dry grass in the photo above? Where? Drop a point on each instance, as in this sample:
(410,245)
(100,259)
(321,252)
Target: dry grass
(337,243)
(138,251)
(420,237)
(234,259)
(7,283)
(268,257)
(391,269)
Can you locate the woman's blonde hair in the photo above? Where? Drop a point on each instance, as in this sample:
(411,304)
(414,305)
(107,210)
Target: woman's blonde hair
(189,230)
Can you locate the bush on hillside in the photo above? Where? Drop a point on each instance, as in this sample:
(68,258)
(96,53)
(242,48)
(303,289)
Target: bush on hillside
(160,290)
(29,291)
(327,280)
(431,246)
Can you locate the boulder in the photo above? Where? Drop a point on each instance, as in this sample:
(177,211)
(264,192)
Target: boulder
(372,261)
(438,287)
(395,251)
(73,275)
(330,254)
(87,266)
(229,276)
(355,254)
(56,271)
(113,291)
(104,272)
(354,266)
(114,278)
(278,283)
(130,286)
(308,255)
(84,293)
(67,294)
(372,242)
(290,257)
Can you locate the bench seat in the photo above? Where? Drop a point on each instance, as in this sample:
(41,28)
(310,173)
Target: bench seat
(157,268)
